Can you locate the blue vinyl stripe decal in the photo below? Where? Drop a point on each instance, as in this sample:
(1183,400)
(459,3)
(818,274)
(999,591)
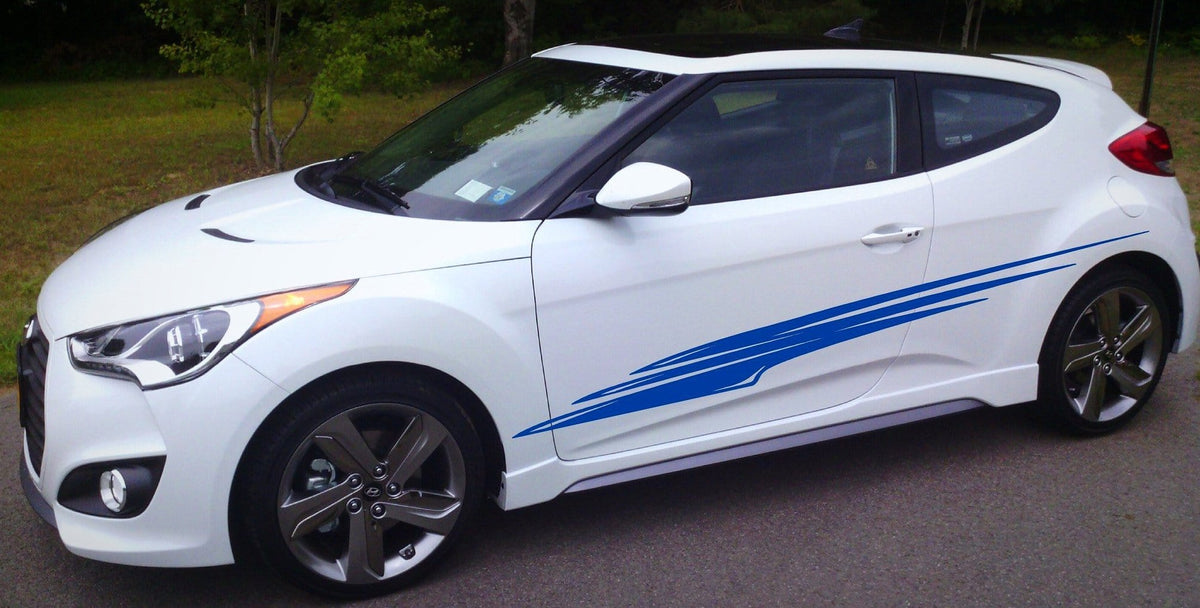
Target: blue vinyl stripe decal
(738,361)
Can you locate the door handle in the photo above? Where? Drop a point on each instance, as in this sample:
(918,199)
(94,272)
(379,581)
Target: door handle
(905,234)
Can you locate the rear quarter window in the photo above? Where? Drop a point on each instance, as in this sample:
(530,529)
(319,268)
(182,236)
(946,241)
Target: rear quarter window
(963,116)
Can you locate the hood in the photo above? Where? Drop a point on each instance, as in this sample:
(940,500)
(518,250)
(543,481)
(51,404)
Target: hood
(249,239)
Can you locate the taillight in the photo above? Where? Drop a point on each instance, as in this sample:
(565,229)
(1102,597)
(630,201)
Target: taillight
(1146,149)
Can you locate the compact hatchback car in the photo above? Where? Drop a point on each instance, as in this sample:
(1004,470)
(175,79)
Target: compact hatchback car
(607,262)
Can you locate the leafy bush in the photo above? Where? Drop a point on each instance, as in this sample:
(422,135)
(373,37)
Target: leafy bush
(812,19)
(1058,41)
(1191,41)
(1087,42)
(712,21)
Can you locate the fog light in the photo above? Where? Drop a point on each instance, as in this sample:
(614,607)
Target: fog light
(112,490)
(119,489)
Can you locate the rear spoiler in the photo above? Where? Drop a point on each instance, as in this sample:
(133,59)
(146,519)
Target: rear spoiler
(1074,68)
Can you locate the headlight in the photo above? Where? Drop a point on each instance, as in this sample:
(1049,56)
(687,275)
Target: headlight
(175,348)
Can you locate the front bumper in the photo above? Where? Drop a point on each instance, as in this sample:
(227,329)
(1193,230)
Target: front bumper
(34,496)
(201,427)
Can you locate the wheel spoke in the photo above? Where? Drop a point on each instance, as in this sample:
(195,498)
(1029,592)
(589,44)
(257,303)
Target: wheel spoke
(1091,401)
(1108,314)
(1131,379)
(431,512)
(364,561)
(372,525)
(297,519)
(1142,326)
(1081,356)
(344,445)
(414,447)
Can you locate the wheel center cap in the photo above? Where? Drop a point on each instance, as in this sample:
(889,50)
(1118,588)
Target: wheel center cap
(372,491)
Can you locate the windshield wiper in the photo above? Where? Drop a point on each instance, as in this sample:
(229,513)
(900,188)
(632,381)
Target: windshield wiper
(378,195)
(328,170)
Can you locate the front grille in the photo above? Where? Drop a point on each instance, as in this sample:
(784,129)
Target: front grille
(31,386)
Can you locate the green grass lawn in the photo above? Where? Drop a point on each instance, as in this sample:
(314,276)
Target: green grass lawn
(77,156)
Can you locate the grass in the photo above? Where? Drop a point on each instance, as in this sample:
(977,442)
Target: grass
(77,156)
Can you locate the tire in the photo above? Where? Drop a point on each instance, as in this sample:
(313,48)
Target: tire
(1104,352)
(359,485)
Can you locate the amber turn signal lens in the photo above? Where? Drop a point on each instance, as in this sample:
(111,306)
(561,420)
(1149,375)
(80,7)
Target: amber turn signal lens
(280,305)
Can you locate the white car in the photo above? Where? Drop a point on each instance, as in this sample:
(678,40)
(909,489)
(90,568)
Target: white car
(608,262)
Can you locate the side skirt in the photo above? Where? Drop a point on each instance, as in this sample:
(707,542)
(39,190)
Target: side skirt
(836,431)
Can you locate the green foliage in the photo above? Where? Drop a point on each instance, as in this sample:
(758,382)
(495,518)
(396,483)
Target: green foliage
(1087,42)
(712,20)
(313,51)
(1190,41)
(389,49)
(812,18)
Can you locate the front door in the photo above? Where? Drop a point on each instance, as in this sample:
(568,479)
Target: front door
(767,298)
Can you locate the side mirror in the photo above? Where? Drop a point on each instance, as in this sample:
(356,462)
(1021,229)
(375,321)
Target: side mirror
(646,187)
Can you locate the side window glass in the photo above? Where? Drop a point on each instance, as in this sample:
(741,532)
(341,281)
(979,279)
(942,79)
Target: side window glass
(763,138)
(965,117)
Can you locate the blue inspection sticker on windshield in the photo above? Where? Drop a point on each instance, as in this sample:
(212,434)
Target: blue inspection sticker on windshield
(501,195)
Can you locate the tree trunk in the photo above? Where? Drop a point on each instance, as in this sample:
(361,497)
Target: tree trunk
(518,29)
(942,25)
(256,135)
(966,28)
(978,24)
(271,28)
(254,101)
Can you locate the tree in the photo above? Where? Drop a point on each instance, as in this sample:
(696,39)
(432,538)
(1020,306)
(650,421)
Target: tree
(518,29)
(312,51)
(974,19)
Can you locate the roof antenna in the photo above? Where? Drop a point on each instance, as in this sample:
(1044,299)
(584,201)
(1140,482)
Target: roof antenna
(851,31)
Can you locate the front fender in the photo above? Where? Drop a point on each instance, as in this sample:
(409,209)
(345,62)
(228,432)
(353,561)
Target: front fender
(475,323)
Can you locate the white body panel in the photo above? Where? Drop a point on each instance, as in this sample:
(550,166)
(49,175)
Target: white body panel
(617,294)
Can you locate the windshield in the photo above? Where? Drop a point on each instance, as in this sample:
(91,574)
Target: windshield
(477,155)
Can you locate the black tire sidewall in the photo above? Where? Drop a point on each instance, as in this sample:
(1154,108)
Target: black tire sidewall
(1052,401)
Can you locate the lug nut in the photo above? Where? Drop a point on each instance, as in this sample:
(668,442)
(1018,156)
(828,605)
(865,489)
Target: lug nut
(355,480)
(379,471)
(354,506)
(378,510)
(393,489)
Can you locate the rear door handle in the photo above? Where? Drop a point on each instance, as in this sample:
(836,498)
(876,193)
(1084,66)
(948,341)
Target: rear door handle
(890,234)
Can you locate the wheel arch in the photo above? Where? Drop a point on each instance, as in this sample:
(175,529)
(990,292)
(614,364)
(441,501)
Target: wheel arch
(1158,271)
(477,413)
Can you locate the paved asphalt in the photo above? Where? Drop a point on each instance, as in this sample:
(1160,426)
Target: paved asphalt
(979,509)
